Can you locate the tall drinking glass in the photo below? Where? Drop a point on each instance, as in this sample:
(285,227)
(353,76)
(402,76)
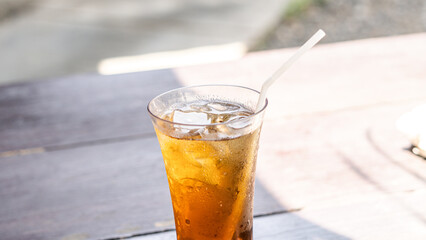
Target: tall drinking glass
(209,138)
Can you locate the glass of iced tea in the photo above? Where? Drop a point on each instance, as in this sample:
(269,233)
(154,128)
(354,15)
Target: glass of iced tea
(209,138)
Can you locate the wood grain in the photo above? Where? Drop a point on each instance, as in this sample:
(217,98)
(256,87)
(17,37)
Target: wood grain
(337,157)
(105,191)
(79,109)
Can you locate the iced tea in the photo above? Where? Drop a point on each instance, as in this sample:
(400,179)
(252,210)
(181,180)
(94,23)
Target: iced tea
(210,168)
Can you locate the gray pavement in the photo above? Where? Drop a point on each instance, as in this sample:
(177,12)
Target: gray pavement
(50,38)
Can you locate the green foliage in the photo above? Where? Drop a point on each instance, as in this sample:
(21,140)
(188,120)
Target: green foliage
(296,7)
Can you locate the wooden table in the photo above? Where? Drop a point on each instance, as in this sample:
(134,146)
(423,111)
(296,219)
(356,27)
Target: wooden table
(79,158)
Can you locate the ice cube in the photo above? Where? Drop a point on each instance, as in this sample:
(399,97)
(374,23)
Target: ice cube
(223,107)
(218,118)
(223,129)
(200,107)
(204,132)
(238,122)
(188,117)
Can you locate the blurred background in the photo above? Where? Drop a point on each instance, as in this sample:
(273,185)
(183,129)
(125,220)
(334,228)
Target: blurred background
(42,39)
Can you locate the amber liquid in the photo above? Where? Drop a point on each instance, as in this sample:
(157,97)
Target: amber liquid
(211,185)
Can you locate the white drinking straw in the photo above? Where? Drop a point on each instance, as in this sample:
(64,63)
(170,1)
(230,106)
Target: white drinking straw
(304,48)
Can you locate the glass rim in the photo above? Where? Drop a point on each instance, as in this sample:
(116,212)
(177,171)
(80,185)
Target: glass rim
(210,124)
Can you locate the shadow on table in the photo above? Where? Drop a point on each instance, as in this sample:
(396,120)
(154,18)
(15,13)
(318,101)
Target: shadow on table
(275,221)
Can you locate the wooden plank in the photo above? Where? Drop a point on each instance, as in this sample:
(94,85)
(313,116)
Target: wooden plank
(94,192)
(339,157)
(352,165)
(79,109)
